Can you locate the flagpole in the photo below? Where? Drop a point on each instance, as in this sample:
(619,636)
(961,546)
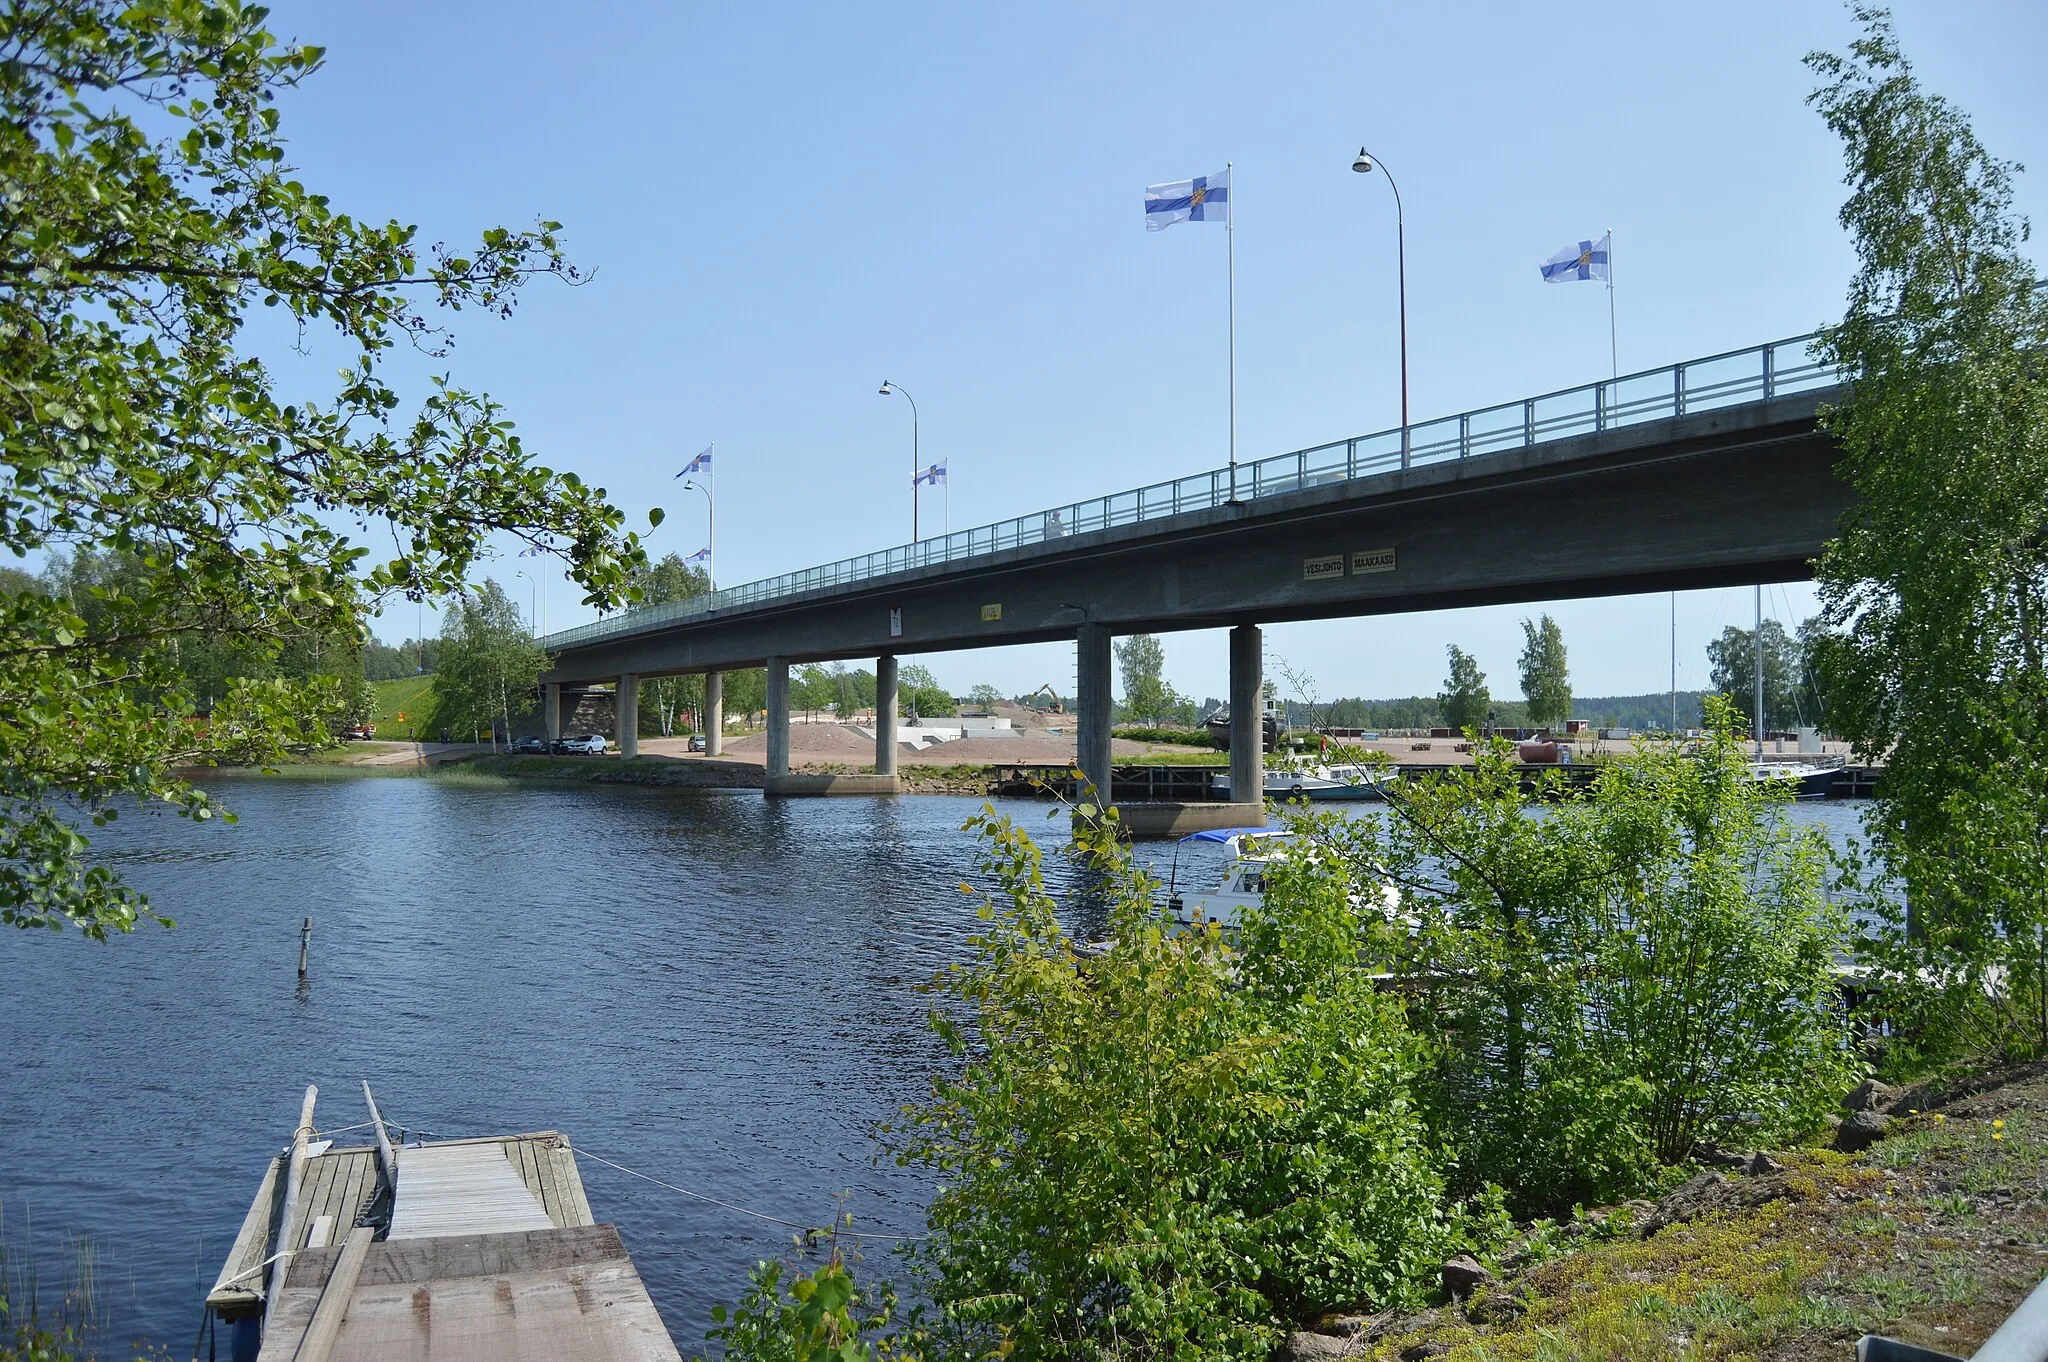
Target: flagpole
(1613,350)
(1230,258)
(711,523)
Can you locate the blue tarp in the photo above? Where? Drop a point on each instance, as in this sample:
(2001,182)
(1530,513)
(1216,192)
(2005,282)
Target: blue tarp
(1225,834)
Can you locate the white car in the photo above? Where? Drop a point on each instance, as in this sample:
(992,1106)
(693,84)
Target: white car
(589,745)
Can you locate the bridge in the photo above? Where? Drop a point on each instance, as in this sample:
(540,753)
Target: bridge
(1711,472)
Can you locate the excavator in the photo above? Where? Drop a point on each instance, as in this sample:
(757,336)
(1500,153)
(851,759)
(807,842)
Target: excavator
(1050,694)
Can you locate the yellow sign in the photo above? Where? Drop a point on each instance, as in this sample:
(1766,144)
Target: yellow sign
(1316,569)
(991,613)
(1372,560)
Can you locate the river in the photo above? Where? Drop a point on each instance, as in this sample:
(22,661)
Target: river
(704,986)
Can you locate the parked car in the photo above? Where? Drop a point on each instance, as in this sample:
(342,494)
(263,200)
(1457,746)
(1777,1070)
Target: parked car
(531,746)
(697,742)
(589,745)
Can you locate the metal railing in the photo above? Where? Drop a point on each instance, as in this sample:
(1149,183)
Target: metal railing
(1733,379)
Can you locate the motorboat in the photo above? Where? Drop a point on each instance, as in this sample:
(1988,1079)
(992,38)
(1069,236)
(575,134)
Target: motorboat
(1253,852)
(1317,784)
(1802,780)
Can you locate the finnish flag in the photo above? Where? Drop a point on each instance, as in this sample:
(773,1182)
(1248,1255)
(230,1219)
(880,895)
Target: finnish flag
(701,555)
(1587,260)
(701,461)
(1206,198)
(935,475)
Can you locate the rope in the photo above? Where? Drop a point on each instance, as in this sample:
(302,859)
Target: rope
(343,1130)
(742,1210)
(250,1272)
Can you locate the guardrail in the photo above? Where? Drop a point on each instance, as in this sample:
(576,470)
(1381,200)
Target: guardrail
(1733,379)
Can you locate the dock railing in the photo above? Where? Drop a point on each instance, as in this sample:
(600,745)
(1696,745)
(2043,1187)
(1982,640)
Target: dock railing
(1758,374)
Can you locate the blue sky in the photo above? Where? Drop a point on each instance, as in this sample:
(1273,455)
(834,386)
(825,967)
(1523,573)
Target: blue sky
(784,205)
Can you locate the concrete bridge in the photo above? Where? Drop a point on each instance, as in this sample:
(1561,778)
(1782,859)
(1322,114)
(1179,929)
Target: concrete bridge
(1708,473)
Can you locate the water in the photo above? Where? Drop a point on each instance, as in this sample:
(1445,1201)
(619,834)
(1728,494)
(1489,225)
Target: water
(701,985)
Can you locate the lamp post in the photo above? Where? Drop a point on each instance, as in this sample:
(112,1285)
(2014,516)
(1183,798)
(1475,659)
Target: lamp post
(710,531)
(1364,166)
(532,596)
(888,388)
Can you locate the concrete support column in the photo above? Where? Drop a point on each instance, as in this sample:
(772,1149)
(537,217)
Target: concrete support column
(714,713)
(1092,705)
(778,717)
(551,709)
(885,716)
(628,715)
(1247,716)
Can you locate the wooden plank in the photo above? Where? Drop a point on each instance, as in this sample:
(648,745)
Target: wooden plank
(598,1313)
(251,1247)
(313,1200)
(544,1175)
(323,1232)
(318,1343)
(397,1261)
(292,1173)
(463,1190)
(567,1175)
(362,1182)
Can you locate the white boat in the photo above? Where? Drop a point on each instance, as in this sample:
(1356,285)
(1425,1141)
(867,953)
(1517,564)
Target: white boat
(1317,784)
(1803,780)
(1253,851)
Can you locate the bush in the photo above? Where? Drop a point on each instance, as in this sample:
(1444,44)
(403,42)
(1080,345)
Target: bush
(823,1315)
(1640,970)
(1187,737)
(1176,1146)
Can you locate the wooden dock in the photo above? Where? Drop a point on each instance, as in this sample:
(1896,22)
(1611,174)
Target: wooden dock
(456,1250)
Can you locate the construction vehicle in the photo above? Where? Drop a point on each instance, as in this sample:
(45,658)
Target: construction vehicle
(1055,707)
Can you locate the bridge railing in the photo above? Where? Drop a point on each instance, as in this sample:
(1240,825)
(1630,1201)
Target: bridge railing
(1715,381)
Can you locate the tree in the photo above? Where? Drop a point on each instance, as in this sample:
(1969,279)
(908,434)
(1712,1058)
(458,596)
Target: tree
(985,696)
(919,692)
(1464,702)
(490,664)
(1141,658)
(1731,670)
(1546,682)
(1935,592)
(149,218)
(667,581)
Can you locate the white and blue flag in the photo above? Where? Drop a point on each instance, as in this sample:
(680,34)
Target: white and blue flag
(1206,198)
(935,475)
(700,556)
(701,461)
(1586,260)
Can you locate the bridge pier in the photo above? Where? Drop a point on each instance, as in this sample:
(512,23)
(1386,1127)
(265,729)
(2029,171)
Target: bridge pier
(778,719)
(885,715)
(551,709)
(1092,705)
(1247,717)
(714,713)
(627,713)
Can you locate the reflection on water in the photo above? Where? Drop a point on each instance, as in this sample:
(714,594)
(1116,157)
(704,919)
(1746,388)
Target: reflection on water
(702,985)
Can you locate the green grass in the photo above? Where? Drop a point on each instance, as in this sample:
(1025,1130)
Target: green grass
(412,696)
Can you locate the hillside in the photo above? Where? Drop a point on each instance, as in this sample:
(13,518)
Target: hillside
(403,704)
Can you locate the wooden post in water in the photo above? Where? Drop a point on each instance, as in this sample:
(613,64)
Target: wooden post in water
(305,940)
(294,1170)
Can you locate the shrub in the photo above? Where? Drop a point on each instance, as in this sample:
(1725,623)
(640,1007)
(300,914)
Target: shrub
(1186,737)
(1173,1147)
(1616,980)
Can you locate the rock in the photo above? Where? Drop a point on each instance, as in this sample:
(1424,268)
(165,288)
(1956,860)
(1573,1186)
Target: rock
(1870,1095)
(1860,1130)
(1346,1326)
(1715,1157)
(1306,1347)
(1463,1274)
(1496,1306)
(1695,1197)
(1417,1352)
(1761,1164)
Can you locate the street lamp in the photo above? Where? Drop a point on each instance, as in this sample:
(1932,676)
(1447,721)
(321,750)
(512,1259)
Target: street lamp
(888,388)
(532,596)
(710,531)
(1364,166)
